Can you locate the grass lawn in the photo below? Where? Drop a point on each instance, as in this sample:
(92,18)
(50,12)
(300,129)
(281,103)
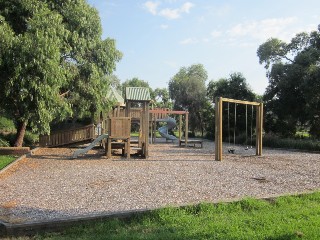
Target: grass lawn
(292,217)
(6,160)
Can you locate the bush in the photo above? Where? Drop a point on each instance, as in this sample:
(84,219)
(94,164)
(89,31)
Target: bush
(9,138)
(30,139)
(4,142)
(273,141)
(6,125)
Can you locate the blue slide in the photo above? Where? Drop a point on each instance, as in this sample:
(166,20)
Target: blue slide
(171,123)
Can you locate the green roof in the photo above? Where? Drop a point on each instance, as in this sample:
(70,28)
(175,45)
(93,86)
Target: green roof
(137,94)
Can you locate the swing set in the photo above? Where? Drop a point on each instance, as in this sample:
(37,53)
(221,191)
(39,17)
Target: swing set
(218,125)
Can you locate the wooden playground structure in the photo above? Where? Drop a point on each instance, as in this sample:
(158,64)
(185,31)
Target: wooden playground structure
(116,128)
(115,131)
(218,124)
(136,110)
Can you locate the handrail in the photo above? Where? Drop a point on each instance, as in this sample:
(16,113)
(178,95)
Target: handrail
(65,137)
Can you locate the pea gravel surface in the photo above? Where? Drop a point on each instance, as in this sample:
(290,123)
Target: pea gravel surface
(50,185)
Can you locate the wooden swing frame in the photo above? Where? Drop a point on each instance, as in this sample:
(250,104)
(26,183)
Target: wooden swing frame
(218,124)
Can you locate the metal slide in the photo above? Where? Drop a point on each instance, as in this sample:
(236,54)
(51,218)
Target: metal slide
(85,150)
(171,123)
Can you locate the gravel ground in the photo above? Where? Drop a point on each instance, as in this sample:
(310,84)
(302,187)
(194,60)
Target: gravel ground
(49,185)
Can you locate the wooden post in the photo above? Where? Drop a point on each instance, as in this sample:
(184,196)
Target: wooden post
(118,111)
(128,109)
(108,148)
(218,129)
(187,128)
(154,127)
(146,127)
(180,127)
(259,128)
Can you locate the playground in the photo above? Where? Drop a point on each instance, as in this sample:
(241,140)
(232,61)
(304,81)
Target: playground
(116,173)
(49,185)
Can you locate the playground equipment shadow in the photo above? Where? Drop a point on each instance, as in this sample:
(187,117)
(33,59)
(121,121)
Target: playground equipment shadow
(50,187)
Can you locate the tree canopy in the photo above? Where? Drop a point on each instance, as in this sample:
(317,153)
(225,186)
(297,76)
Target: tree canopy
(292,97)
(235,87)
(187,89)
(52,61)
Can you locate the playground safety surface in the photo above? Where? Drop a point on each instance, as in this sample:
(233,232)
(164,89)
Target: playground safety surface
(49,185)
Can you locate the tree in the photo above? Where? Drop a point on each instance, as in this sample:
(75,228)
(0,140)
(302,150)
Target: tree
(52,61)
(114,82)
(187,89)
(161,98)
(235,87)
(292,97)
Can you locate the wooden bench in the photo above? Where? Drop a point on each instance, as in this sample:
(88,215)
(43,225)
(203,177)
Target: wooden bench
(191,143)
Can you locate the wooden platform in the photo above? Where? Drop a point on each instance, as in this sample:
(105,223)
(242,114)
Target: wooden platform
(191,143)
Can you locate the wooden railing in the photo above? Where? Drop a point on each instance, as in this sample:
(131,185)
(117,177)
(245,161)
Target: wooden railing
(60,138)
(135,113)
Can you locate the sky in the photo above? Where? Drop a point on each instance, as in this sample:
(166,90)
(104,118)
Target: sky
(159,37)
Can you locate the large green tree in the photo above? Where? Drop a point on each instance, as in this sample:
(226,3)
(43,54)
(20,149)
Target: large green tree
(52,61)
(162,98)
(187,89)
(292,97)
(235,87)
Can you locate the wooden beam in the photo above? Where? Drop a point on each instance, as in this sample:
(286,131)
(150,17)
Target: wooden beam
(167,111)
(240,101)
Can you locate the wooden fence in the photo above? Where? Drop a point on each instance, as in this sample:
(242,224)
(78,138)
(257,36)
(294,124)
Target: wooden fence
(60,138)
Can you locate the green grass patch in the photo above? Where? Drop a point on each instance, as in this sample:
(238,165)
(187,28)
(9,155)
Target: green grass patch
(291,217)
(5,160)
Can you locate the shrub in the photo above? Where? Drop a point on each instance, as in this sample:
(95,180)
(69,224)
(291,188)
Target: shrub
(30,139)
(274,141)
(6,125)
(4,142)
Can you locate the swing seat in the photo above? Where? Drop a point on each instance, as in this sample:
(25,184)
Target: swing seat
(231,150)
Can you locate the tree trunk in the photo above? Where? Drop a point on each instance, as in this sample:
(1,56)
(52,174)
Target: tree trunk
(21,130)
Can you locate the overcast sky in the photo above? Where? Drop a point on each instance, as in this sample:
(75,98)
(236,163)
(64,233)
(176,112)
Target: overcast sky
(157,38)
